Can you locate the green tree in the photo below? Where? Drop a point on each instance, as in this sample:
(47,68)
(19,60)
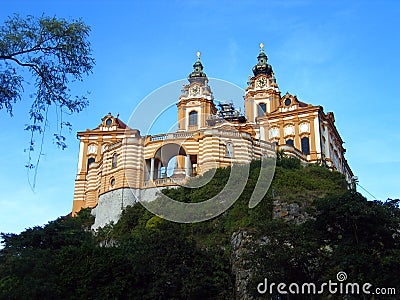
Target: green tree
(52,52)
(31,262)
(347,233)
(145,257)
(361,237)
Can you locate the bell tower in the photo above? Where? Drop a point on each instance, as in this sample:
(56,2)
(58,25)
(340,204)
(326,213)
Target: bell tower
(262,93)
(195,104)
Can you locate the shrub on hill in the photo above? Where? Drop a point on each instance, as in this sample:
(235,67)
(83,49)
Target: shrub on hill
(145,257)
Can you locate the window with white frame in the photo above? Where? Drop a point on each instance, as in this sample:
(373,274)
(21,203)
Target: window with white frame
(193,118)
(229,149)
(114,160)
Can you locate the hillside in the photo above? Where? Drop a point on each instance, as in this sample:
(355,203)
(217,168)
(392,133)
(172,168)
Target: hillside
(307,228)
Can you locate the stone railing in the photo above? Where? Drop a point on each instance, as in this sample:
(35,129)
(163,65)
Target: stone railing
(292,151)
(176,135)
(186,134)
(227,133)
(264,145)
(164,182)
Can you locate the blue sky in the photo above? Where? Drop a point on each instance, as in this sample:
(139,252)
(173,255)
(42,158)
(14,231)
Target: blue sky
(342,55)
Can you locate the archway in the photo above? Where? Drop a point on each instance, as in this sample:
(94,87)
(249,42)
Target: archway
(170,161)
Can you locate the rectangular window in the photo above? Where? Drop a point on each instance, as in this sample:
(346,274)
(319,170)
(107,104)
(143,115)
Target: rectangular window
(229,150)
(305,145)
(290,142)
(114,160)
(262,109)
(193,118)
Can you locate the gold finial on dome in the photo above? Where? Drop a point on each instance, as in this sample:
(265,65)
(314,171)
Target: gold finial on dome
(261,47)
(198,55)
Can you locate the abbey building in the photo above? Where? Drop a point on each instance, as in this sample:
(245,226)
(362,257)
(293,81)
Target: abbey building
(115,159)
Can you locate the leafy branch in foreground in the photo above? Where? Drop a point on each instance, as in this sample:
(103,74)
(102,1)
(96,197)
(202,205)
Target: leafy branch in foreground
(52,52)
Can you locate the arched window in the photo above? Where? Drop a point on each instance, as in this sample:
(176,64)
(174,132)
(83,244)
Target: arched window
(262,109)
(193,118)
(305,145)
(89,161)
(114,160)
(290,142)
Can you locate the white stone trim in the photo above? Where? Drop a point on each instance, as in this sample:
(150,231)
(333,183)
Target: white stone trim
(80,157)
(317,135)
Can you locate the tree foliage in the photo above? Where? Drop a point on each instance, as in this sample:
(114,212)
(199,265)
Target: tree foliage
(348,234)
(145,257)
(52,52)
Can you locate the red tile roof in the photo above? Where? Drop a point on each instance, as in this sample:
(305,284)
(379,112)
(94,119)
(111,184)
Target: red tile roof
(121,124)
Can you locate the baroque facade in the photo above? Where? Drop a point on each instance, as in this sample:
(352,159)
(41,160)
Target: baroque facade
(114,157)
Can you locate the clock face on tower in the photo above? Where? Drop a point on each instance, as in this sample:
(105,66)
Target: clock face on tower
(261,82)
(194,91)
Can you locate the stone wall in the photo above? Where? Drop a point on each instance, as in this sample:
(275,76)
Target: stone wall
(290,212)
(244,244)
(111,204)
